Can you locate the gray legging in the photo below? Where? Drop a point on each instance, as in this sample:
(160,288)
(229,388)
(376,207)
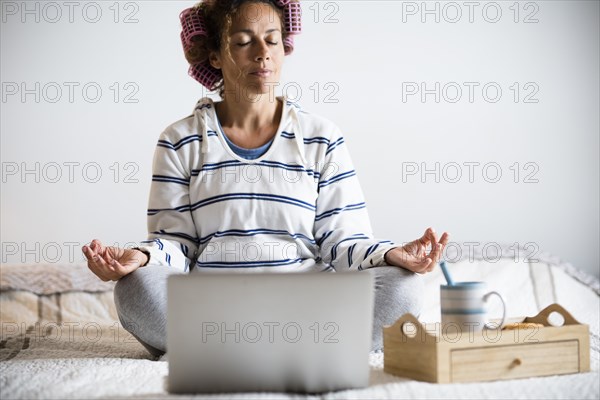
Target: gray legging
(141,302)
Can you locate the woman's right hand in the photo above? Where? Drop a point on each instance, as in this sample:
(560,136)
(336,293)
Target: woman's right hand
(112,263)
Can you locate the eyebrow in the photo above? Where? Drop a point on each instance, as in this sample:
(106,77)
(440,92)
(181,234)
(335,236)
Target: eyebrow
(251,31)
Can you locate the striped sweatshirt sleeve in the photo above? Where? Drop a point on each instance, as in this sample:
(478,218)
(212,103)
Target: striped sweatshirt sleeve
(172,240)
(342,225)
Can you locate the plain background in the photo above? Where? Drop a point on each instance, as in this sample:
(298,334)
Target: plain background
(357,63)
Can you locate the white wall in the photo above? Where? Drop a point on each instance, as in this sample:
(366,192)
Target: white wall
(371,57)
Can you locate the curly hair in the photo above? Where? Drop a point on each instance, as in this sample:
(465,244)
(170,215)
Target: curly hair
(219,16)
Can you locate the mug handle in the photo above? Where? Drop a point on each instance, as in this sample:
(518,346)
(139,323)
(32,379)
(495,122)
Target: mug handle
(485,298)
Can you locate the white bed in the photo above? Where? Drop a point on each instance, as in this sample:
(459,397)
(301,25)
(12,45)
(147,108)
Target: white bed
(61,337)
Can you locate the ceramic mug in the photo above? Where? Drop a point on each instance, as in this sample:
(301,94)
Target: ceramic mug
(464,304)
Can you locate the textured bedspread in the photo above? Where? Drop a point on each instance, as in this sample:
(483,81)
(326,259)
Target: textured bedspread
(61,337)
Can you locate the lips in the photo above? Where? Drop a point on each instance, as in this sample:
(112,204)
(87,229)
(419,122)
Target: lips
(261,72)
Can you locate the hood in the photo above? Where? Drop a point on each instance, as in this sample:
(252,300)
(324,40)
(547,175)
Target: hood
(205,113)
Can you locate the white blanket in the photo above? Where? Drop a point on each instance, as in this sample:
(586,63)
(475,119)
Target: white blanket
(66,342)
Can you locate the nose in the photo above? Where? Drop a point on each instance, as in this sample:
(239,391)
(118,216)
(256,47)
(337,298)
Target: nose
(263,52)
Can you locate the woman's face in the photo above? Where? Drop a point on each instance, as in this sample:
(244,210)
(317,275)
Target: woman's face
(255,42)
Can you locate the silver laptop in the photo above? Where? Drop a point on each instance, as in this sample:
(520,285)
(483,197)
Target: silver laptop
(284,332)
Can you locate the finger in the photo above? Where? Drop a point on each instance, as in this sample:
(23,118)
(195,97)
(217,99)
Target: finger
(421,244)
(100,262)
(432,236)
(437,254)
(107,258)
(436,251)
(97,245)
(431,266)
(94,263)
(444,240)
(103,266)
(428,265)
(441,244)
(429,238)
(86,252)
(89,254)
(95,269)
(424,240)
(421,266)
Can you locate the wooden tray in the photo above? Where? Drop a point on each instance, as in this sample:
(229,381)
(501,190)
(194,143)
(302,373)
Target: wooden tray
(428,352)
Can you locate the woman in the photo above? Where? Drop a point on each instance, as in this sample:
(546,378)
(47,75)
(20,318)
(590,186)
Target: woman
(253,183)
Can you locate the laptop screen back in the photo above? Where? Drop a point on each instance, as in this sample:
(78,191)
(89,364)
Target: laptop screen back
(292,332)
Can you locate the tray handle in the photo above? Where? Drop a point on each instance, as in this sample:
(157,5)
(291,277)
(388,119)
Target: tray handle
(397,326)
(542,317)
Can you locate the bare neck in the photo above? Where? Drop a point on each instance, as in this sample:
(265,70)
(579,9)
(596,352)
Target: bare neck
(249,118)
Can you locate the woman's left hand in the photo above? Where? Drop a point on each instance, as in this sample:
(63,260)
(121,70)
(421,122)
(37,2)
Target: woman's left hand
(413,256)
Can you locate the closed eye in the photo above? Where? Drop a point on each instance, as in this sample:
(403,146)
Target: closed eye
(247,43)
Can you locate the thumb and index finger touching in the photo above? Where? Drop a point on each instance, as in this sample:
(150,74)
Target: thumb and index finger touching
(95,253)
(437,247)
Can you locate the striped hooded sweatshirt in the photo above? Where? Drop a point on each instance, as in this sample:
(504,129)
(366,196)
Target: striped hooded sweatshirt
(298,207)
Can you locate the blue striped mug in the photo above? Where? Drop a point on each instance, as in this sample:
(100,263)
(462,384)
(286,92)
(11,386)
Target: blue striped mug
(464,304)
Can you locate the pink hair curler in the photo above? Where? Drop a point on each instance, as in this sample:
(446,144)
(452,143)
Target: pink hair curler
(288,45)
(206,74)
(292,14)
(192,23)
(282,3)
(186,46)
